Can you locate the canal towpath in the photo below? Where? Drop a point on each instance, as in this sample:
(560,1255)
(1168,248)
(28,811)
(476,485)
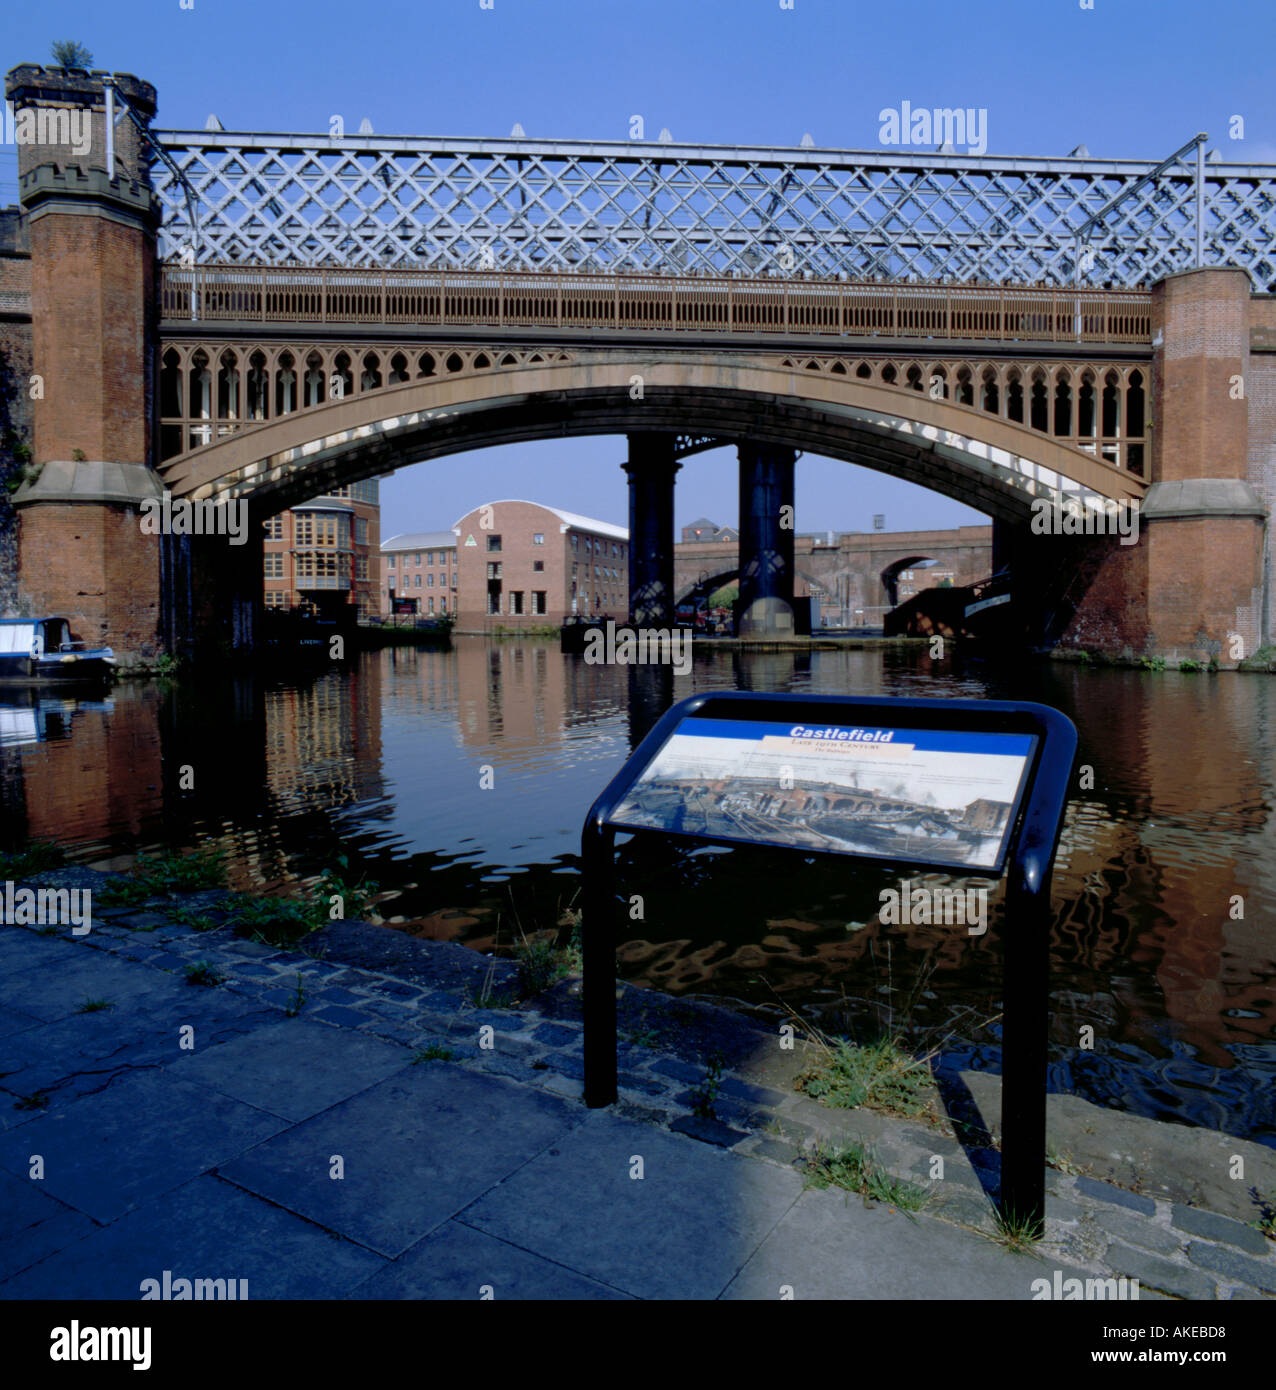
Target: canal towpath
(344,1121)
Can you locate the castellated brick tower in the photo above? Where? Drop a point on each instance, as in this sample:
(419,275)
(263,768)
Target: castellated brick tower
(81,550)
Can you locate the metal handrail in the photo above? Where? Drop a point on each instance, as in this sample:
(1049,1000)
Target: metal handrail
(645,302)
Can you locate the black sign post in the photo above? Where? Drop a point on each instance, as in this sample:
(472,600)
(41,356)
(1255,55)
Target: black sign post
(974,787)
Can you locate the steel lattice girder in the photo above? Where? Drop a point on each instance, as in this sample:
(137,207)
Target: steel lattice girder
(510,204)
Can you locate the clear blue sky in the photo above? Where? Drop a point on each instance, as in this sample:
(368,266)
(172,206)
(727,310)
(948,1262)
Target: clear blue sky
(1129,78)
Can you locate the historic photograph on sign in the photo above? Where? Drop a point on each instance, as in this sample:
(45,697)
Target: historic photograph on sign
(932,796)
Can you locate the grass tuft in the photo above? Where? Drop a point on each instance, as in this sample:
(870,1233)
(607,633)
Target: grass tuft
(854,1168)
(204,973)
(35,857)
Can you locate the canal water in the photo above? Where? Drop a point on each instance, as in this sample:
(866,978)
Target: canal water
(458,780)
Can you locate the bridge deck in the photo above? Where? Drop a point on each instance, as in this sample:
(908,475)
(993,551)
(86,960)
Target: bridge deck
(748,309)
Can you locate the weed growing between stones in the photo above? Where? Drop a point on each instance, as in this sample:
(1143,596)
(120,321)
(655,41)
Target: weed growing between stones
(204,973)
(1266,1221)
(855,1169)
(706,1094)
(1018,1234)
(293,1007)
(879,1075)
(35,857)
(166,873)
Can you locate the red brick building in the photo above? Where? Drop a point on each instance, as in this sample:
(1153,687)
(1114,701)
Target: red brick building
(524,565)
(419,574)
(327,552)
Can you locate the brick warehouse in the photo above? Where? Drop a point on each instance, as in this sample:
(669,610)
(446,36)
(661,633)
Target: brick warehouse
(522,565)
(419,574)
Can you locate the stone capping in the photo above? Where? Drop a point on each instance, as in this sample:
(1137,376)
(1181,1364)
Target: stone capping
(91,481)
(1207,270)
(1190,499)
(29,82)
(51,183)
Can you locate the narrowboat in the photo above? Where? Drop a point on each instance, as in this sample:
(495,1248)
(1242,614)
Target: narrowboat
(36,651)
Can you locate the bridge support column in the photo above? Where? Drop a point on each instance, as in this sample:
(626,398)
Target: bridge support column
(81,549)
(1194,584)
(651,469)
(765,608)
(212,594)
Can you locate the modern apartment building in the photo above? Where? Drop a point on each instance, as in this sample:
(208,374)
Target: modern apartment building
(525,565)
(419,574)
(325,553)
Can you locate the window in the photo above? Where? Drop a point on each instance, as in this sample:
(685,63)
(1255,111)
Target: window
(493,543)
(494,569)
(454,578)
(416,581)
(539,597)
(429,605)
(538,566)
(429,557)
(516,602)
(443,604)
(361,530)
(615,549)
(576,544)
(274,528)
(389,562)
(416,557)
(538,538)
(361,567)
(429,581)
(274,566)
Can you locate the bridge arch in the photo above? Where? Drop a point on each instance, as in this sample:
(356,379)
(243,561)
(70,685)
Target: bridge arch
(714,582)
(995,465)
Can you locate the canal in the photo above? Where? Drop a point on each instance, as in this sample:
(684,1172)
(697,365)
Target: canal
(458,779)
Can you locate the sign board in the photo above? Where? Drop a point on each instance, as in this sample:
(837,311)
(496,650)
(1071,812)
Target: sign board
(964,787)
(947,798)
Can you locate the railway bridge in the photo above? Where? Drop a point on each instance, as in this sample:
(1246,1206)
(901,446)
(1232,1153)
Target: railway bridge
(253,319)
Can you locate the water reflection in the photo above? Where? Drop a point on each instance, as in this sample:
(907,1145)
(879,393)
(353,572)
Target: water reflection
(458,780)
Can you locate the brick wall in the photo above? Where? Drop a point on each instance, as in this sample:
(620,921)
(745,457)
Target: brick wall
(15,396)
(1260,390)
(89,288)
(93,565)
(1202,319)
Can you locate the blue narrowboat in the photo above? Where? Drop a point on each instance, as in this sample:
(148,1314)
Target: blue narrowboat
(34,651)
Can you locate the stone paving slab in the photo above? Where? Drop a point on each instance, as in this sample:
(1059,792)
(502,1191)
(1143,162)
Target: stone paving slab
(145,1135)
(14,1021)
(33,1224)
(456,1262)
(416,1149)
(22,949)
(680,1231)
(76,1049)
(294,1069)
(830,1245)
(206,1229)
(54,989)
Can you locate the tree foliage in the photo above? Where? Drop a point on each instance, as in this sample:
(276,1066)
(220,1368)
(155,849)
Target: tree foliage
(67,53)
